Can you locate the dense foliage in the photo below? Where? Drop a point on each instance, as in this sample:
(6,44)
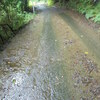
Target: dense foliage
(90,8)
(13,15)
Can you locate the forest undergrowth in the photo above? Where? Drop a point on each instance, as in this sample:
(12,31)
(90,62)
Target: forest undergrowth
(13,15)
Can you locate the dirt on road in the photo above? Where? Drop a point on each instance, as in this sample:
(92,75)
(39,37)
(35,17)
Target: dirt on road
(53,58)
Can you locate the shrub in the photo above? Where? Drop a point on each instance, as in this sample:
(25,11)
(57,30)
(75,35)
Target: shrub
(90,9)
(12,17)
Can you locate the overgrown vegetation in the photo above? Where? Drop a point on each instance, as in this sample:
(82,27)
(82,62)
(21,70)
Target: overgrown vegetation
(13,16)
(90,8)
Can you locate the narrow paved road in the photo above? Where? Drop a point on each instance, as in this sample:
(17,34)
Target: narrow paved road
(46,60)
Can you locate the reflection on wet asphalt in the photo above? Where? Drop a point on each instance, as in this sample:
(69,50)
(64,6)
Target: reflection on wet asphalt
(32,67)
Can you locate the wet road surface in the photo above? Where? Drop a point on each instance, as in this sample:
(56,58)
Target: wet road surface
(39,80)
(39,63)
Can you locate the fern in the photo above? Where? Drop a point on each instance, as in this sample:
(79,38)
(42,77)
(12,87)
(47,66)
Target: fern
(97,18)
(90,14)
(87,8)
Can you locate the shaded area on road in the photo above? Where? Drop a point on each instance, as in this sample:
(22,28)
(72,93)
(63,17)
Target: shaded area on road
(42,77)
(51,64)
(91,42)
